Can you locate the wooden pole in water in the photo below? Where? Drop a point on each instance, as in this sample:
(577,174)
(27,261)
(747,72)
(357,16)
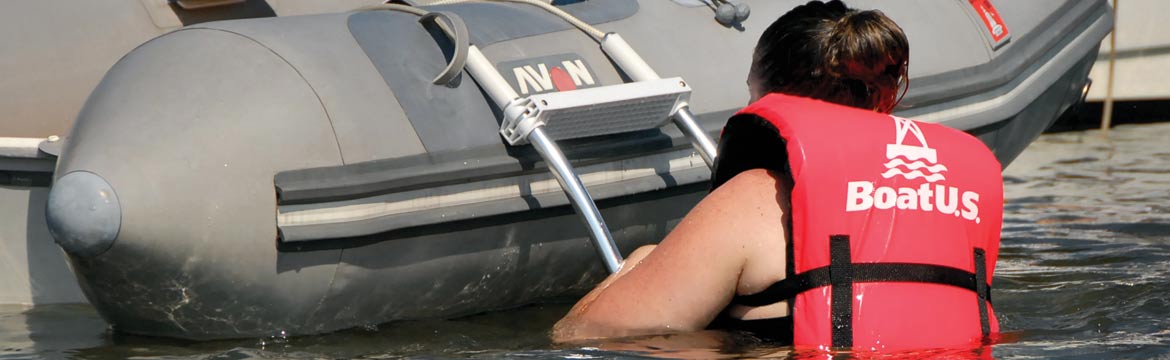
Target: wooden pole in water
(1107,113)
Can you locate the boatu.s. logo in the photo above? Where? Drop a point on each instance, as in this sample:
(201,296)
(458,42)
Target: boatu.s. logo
(912,162)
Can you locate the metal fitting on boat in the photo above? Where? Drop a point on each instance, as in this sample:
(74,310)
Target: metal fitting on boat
(520,117)
(730,13)
(83,214)
(1085,90)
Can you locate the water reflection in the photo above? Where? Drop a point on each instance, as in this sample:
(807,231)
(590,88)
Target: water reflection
(48,332)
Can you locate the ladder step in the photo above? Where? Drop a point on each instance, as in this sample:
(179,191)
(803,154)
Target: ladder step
(598,111)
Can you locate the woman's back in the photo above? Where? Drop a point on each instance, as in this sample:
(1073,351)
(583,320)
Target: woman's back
(772,248)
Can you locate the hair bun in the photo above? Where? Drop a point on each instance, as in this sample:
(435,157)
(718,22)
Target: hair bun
(859,46)
(827,51)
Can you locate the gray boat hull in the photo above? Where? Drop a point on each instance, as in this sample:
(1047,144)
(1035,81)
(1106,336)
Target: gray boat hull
(55,53)
(216,143)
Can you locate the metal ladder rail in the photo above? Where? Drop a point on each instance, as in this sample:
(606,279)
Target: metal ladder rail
(579,197)
(506,98)
(510,102)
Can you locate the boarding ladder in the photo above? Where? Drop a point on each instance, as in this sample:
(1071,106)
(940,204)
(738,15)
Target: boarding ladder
(543,119)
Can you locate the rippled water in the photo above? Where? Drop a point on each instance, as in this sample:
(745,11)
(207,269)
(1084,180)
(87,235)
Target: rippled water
(1084,269)
(1084,273)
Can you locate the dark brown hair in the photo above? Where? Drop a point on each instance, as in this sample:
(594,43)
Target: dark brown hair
(830,52)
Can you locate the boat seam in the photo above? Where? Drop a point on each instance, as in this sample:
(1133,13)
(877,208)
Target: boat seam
(340,154)
(328,117)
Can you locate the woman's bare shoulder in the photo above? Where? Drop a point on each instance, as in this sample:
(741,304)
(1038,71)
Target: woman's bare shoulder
(756,189)
(747,210)
(761,208)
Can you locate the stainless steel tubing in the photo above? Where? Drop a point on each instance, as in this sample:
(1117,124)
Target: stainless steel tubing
(579,197)
(685,120)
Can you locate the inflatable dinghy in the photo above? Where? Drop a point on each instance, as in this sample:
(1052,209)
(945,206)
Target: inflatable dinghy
(307,174)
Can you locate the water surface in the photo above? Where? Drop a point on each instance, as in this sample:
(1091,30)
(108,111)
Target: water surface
(1084,272)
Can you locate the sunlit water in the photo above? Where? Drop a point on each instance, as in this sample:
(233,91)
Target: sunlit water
(1084,273)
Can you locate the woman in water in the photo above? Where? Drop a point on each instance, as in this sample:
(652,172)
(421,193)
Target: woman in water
(786,237)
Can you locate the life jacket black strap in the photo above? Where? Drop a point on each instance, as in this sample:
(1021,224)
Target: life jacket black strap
(841,277)
(983,291)
(866,272)
(842,273)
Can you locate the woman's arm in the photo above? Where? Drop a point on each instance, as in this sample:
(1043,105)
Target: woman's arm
(692,275)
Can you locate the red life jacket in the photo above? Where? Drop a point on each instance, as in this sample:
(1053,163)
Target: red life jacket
(893,239)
